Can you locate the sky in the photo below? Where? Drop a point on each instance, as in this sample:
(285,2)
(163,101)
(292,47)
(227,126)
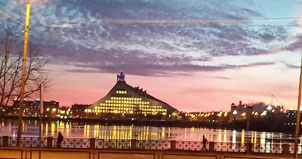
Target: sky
(195,55)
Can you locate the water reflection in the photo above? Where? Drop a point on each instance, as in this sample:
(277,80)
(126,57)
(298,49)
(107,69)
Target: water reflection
(86,130)
(242,137)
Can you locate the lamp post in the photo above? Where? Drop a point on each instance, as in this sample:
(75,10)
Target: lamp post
(297,133)
(23,73)
(40,119)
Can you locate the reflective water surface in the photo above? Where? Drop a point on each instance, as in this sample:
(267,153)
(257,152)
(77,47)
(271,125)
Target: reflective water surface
(82,130)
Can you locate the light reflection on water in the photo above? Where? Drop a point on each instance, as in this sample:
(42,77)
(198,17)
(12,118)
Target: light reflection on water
(81,130)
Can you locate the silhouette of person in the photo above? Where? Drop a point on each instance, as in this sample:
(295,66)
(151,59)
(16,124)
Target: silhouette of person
(60,139)
(204,144)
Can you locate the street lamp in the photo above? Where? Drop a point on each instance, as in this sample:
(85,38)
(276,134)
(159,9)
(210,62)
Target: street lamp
(23,73)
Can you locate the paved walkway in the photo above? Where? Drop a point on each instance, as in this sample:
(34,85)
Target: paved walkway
(33,153)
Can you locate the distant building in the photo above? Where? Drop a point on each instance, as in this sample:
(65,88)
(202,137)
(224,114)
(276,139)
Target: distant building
(244,111)
(64,112)
(50,108)
(213,117)
(78,110)
(240,112)
(291,117)
(124,101)
(3,109)
(32,108)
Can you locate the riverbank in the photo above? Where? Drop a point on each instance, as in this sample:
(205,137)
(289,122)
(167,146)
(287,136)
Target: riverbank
(254,125)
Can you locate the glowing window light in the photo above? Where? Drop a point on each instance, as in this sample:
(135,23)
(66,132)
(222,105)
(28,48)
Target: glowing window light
(225,114)
(235,112)
(219,114)
(263,113)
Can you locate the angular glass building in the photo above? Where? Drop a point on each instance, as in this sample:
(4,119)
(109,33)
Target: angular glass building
(124,100)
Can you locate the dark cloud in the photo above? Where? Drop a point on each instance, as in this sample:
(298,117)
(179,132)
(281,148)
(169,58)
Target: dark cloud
(146,37)
(150,69)
(223,78)
(295,45)
(290,66)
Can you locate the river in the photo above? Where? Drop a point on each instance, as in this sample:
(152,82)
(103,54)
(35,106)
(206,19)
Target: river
(80,130)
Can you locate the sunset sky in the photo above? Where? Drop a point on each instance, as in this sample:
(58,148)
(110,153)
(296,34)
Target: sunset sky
(196,55)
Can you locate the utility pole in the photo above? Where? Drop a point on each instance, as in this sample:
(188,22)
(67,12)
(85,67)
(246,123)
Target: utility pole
(23,73)
(298,114)
(40,119)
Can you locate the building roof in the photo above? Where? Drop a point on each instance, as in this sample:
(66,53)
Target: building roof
(134,92)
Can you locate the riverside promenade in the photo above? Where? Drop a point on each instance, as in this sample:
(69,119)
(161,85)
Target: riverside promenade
(138,149)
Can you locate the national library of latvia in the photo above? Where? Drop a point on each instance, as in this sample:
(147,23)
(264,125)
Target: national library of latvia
(125,101)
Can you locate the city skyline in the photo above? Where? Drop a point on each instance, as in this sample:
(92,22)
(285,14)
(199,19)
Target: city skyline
(193,55)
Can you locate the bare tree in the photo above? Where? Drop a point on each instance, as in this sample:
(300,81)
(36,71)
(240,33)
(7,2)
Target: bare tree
(11,70)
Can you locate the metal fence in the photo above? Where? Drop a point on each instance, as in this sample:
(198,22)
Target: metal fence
(267,148)
(72,143)
(230,147)
(190,145)
(112,144)
(153,145)
(27,142)
(92,143)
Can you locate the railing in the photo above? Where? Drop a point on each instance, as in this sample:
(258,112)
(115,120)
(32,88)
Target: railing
(112,144)
(230,147)
(73,143)
(152,145)
(1,140)
(27,142)
(267,148)
(92,143)
(292,148)
(190,145)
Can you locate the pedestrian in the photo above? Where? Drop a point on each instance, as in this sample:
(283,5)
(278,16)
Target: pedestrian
(204,143)
(60,139)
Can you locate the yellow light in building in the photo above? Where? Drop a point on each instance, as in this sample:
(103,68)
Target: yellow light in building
(219,114)
(121,92)
(225,114)
(263,113)
(47,109)
(235,112)
(243,114)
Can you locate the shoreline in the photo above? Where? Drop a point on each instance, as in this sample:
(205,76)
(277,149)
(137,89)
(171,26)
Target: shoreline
(255,125)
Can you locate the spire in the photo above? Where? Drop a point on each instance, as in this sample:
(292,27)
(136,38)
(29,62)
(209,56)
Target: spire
(121,76)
